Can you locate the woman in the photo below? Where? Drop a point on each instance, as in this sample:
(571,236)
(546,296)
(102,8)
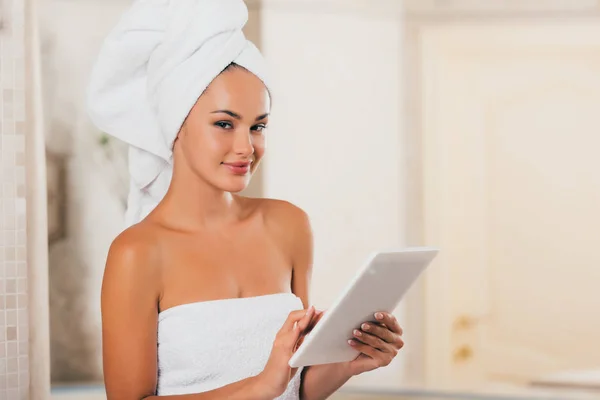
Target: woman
(205,295)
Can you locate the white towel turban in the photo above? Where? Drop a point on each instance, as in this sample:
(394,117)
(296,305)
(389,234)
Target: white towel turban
(151,69)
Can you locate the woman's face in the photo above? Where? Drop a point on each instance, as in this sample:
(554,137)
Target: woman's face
(223,138)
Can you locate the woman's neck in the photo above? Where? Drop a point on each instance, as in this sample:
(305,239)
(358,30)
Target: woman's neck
(192,204)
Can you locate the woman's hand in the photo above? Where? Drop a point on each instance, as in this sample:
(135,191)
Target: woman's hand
(378,342)
(277,374)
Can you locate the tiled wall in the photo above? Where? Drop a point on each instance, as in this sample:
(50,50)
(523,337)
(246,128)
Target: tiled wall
(14,379)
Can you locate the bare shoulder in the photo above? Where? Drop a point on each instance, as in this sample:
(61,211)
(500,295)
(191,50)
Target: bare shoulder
(135,254)
(130,295)
(135,244)
(284,213)
(290,223)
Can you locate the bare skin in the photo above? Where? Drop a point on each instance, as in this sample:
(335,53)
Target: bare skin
(203,242)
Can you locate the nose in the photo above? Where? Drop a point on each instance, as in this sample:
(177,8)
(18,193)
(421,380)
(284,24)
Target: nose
(242,144)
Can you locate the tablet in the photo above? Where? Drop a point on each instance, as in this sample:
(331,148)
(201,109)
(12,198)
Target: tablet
(378,286)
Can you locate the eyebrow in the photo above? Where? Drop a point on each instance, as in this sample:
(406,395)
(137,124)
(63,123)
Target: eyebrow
(237,116)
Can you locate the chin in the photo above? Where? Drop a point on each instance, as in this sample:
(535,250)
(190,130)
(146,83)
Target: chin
(236,186)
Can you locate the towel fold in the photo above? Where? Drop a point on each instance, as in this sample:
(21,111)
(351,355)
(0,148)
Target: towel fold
(207,345)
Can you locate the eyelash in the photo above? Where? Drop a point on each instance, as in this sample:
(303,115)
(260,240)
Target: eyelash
(227,125)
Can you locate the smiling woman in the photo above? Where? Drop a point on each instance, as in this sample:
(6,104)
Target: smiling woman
(199,260)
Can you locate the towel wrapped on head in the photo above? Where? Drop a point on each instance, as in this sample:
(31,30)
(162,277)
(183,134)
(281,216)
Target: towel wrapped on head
(151,70)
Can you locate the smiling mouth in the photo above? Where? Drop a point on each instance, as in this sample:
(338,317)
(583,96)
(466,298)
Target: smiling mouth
(238,168)
(238,164)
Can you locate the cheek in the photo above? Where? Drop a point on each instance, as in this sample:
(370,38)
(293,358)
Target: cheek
(208,144)
(259,144)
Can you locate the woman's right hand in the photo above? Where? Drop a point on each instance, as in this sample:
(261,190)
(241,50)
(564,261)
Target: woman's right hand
(277,373)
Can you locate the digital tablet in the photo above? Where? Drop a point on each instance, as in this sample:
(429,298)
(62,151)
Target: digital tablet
(378,286)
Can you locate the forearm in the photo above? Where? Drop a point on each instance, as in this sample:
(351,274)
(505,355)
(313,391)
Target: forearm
(247,389)
(321,381)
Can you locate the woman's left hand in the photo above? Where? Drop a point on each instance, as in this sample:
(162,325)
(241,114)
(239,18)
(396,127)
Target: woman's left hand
(378,343)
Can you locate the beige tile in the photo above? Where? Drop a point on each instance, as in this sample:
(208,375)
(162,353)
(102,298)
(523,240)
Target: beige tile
(2,306)
(21,270)
(20,159)
(8,127)
(21,222)
(12,381)
(11,286)
(12,349)
(8,161)
(24,389)
(19,143)
(20,128)
(10,221)
(23,349)
(10,302)
(19,175)
(11,333)
(7,95)
(7,111)
(10,238)
(22,285)
(9,205)
(10,254)
(9,192)
(11,317)
(23,318)
(11,269)
(21,301)
(21,254)
(24,331)
(21,237)
(23,363)
(12,365)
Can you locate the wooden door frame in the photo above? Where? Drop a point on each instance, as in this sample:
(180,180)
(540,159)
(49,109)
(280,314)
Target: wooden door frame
(426,316)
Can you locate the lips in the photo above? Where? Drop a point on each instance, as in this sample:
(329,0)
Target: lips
(239,167)
(239,164)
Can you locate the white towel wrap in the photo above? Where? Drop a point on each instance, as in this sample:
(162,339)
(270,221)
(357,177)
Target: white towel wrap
(206,345)
(151,69)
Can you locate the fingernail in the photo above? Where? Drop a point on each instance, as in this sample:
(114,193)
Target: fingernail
(351,342)
(357,332)
(379,315)
(365,327)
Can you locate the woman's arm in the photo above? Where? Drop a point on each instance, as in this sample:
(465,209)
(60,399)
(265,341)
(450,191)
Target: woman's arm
(320,381)
(131,290)
(378,342)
